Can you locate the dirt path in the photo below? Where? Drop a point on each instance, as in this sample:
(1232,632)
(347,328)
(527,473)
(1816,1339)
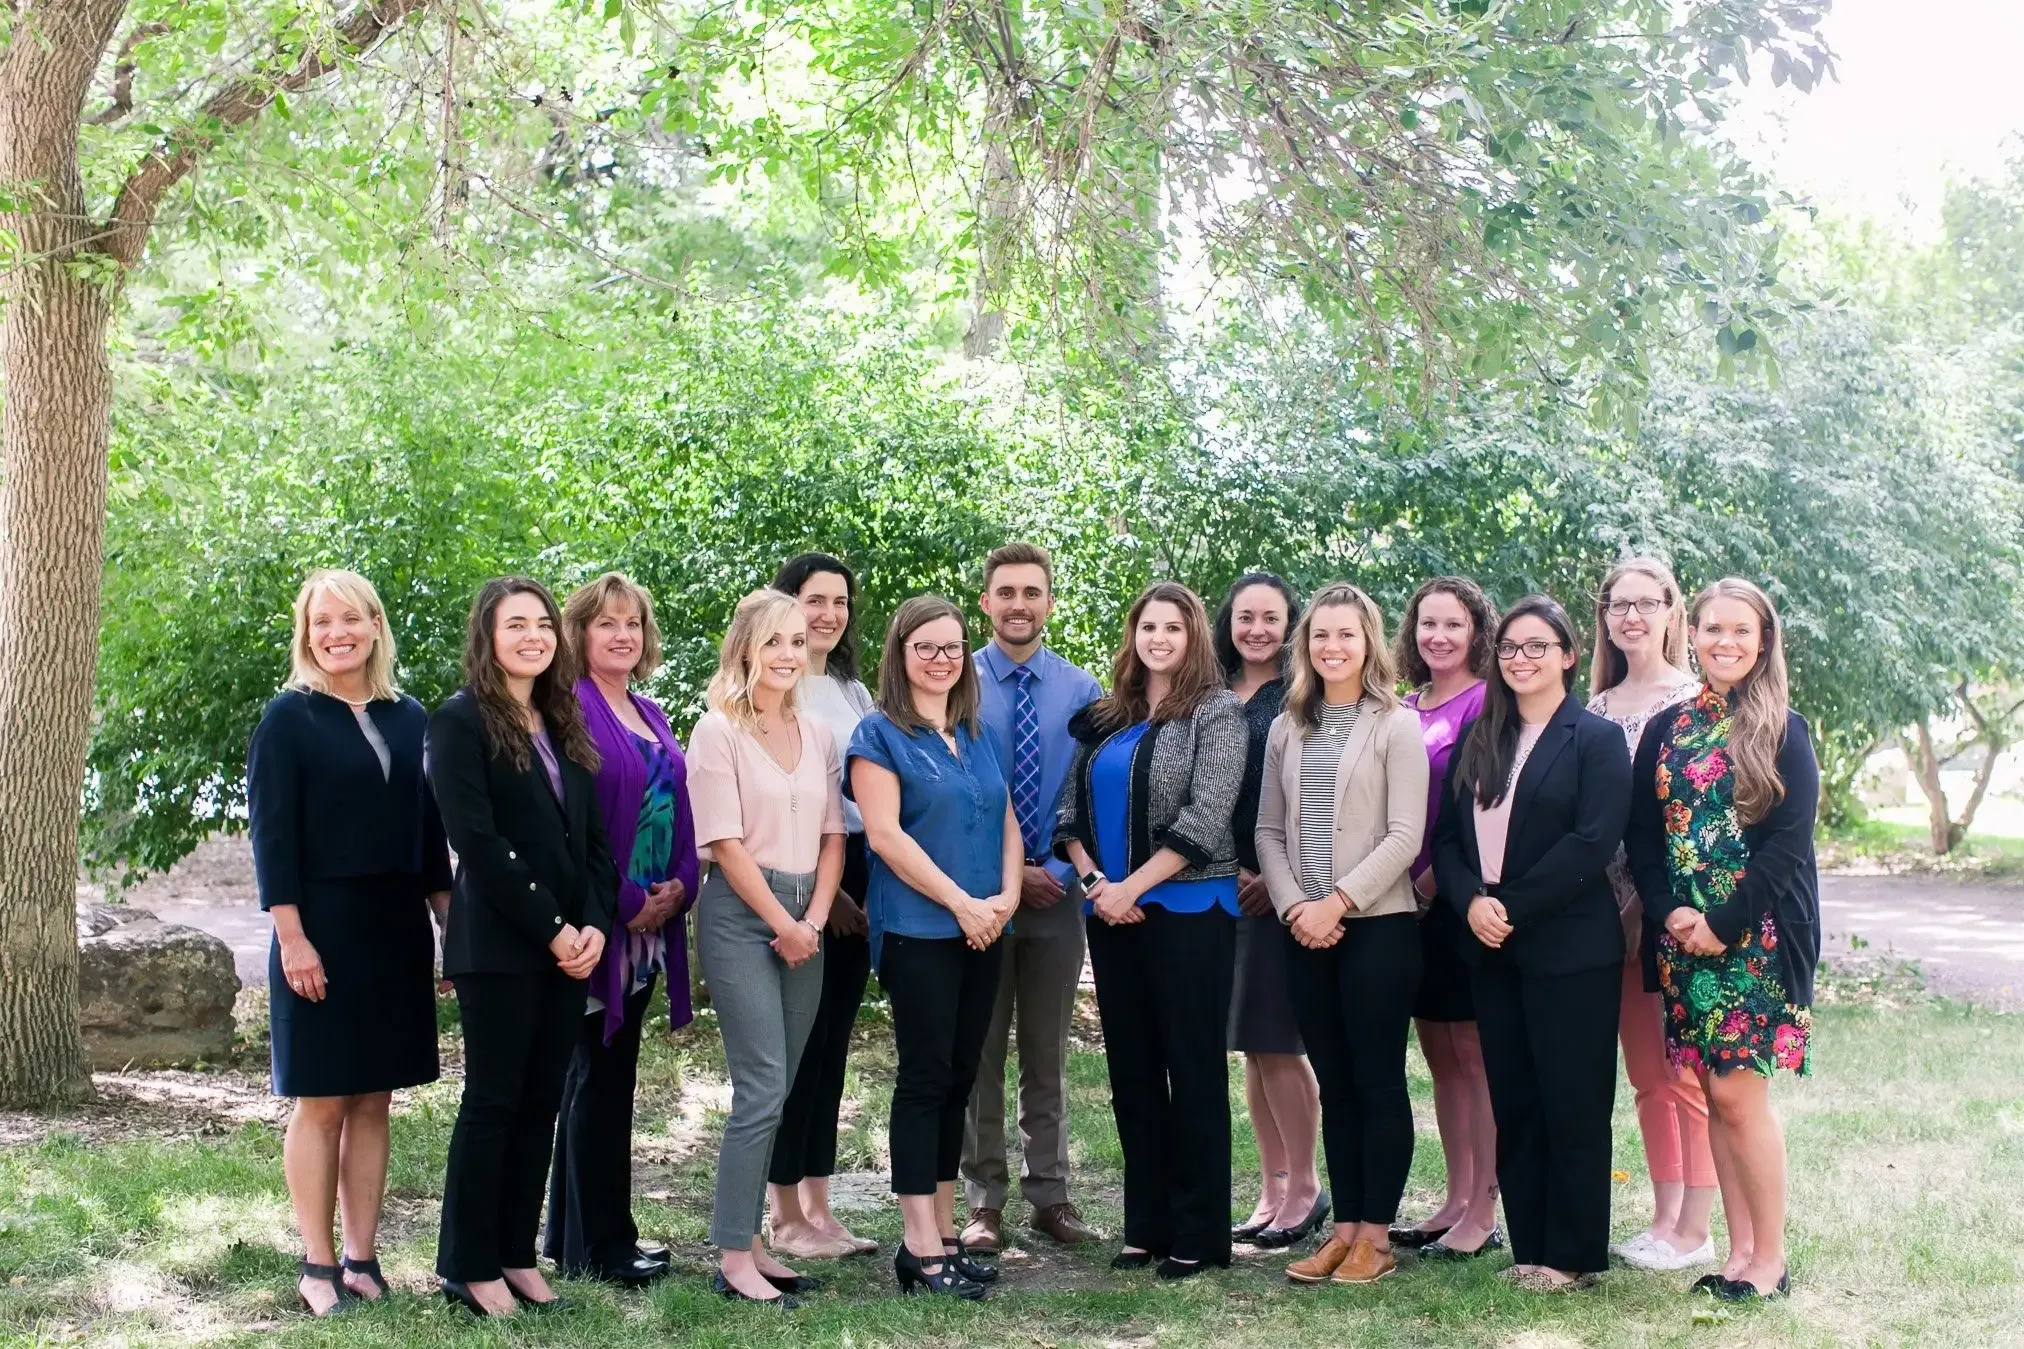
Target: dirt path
(1968,939)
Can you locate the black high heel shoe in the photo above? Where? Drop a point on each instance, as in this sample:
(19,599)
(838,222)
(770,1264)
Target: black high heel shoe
(460,1295)
(1441,1250)
(1136,1259)
(1245,1231)
(556,1302)
(371,1270)
(1171,1268)
(909,1270)
(1274,1238)
(953,1250)
(794,1283)
(331,1275)
(1414,1238)
(723,1287)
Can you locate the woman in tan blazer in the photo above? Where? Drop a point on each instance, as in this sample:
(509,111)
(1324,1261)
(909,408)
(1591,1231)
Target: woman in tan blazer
(1341,813)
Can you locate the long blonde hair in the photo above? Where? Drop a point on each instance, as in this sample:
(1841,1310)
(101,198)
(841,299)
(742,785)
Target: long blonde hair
(1757,704)
(304,673)
(1380,673)
(758,616)
(1610,666)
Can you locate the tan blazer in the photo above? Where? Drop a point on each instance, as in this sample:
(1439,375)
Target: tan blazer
(1380,813)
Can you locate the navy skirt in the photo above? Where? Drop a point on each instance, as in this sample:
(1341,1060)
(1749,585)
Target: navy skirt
(375,1029)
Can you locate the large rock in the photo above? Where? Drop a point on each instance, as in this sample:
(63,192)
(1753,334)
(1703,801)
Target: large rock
(153,994)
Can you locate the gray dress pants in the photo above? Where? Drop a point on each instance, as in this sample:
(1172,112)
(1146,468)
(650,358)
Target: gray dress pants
(764,1010)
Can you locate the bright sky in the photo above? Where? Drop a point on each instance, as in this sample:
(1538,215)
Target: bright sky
(1928,91)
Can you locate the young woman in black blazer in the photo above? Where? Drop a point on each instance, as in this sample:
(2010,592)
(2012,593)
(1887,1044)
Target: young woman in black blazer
(534,897)
(1537,799)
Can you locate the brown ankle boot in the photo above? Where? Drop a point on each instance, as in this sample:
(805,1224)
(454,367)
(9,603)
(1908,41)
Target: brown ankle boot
(1366,1264)
(1317,1267)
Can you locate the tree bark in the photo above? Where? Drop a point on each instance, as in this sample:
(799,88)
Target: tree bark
(53,434)
(1926,764)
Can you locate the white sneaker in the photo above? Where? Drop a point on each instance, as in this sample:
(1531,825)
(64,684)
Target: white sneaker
(1662,1257)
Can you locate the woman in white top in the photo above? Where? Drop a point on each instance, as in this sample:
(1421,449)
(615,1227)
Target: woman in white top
(804,1153)
(1639,670)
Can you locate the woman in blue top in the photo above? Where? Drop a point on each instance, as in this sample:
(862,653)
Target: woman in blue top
(1145,819)
(947,861)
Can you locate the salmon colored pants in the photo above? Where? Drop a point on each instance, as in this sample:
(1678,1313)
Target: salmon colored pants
(1672,1110)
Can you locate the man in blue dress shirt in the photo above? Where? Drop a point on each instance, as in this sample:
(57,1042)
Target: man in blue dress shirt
(1028,695)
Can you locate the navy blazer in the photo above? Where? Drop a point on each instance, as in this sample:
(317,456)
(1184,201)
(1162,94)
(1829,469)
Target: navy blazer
(1568,809)
(526,863)
(319,808)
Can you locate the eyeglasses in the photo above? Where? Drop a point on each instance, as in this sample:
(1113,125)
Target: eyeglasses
(1646,606)
(947,650)
(1533,650)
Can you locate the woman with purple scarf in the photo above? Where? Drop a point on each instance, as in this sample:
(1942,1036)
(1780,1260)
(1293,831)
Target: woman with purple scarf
(643,796)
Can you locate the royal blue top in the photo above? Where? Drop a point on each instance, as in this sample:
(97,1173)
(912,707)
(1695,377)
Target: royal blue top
(1060,690)
(1109,788)
(952,805)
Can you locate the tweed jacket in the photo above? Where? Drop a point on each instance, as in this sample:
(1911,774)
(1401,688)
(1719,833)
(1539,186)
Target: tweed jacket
(1185,775)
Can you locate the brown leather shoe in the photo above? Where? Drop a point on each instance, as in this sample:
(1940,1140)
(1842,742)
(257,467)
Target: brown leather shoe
(1064,1223)
(986,1233)
(1366,1264)
(1316,1268)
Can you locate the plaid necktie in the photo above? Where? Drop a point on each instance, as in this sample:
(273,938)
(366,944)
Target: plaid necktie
(1026,762)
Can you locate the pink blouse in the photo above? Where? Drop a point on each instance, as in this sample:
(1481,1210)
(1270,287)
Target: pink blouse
(1493,823)
(738,790)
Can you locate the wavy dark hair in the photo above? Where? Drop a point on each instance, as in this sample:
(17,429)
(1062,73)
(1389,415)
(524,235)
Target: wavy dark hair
(1198,678)
(554,693)
(896,692)
(1483,768)
(1227,656)
(1482,622)
(794,574)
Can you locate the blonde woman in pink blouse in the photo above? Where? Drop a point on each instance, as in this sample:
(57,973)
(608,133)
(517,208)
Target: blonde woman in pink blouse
(766,786)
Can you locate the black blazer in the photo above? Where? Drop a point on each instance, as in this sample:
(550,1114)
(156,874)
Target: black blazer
(320,809)
(1567,818)
(1782,879)
(526,863)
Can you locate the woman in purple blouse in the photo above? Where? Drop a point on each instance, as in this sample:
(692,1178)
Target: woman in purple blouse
(1444,651)
(643,796)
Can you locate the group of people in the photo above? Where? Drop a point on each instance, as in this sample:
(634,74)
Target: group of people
(1276,832)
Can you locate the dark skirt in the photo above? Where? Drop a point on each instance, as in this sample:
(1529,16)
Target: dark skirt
(375,1029)
(1261,1010)
(1445,993)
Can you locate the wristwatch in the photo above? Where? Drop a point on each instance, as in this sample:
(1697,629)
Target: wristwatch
(1090,880)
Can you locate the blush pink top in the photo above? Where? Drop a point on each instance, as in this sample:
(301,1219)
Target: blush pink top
(737,790)
(1493,823)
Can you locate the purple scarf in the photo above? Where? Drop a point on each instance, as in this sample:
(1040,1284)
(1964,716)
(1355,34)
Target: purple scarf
(621,784)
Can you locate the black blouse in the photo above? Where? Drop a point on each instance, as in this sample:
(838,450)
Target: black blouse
(1259,714)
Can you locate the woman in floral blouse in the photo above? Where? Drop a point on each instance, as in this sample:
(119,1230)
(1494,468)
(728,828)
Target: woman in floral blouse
(1720,845)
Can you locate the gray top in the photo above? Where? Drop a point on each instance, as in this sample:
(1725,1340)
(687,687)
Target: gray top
(376,740)
(840,705)
(1320,758)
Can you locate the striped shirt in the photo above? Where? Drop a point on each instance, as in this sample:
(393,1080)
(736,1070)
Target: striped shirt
(1320,758)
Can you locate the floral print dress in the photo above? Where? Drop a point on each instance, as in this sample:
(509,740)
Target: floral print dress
(1727,1011)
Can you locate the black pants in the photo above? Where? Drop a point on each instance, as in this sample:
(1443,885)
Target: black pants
(590,1222)
(519,1031)
(942,994)
(1549,1050)
(1163,994)
(806,1143)
(1354,1002)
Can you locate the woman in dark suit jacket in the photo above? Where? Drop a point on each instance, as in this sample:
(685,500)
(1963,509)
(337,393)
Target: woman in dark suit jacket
(346,846)
(1537,800)
(533,901)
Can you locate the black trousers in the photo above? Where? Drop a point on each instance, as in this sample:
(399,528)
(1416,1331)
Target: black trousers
(806,1143)
(942,995)
(519,1031)
(590,1222)
(1163,995)
(1549,1050)
(1354,1003)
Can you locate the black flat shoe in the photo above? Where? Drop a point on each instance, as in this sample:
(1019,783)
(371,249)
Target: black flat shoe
(1171,1268)
(1275,1238)
(1441,1250)
(460,1295)
(371,1270)
(912,1273)
(1707,1283)
(660,1255)
(637,1272)
(330,1274)
(794,1283)
(1742,1290)
(965,1266)
(1135,1259)
(1413,1238)
(722,1287)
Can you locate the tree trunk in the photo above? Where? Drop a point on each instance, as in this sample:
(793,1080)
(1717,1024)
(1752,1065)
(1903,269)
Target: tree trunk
(53,435)
(1926,764)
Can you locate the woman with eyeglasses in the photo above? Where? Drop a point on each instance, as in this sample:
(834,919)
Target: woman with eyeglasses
(1639,671)
(1537,800)
(947,863)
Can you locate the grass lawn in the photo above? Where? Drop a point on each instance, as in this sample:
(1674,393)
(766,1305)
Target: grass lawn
(164,1223)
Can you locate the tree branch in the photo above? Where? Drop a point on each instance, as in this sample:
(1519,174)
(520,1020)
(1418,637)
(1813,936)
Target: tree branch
(133,212)
(123,76)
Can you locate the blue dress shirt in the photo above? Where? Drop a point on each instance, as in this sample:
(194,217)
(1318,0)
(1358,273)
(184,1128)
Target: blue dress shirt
(1060,690)
(1110,793)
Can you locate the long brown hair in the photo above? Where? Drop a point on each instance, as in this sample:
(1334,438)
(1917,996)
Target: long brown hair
(1380,677)
(896,692)
(1483,767)
(554,693)
(1197,677)
(1610,666)
(1482,622)
(1757,704)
